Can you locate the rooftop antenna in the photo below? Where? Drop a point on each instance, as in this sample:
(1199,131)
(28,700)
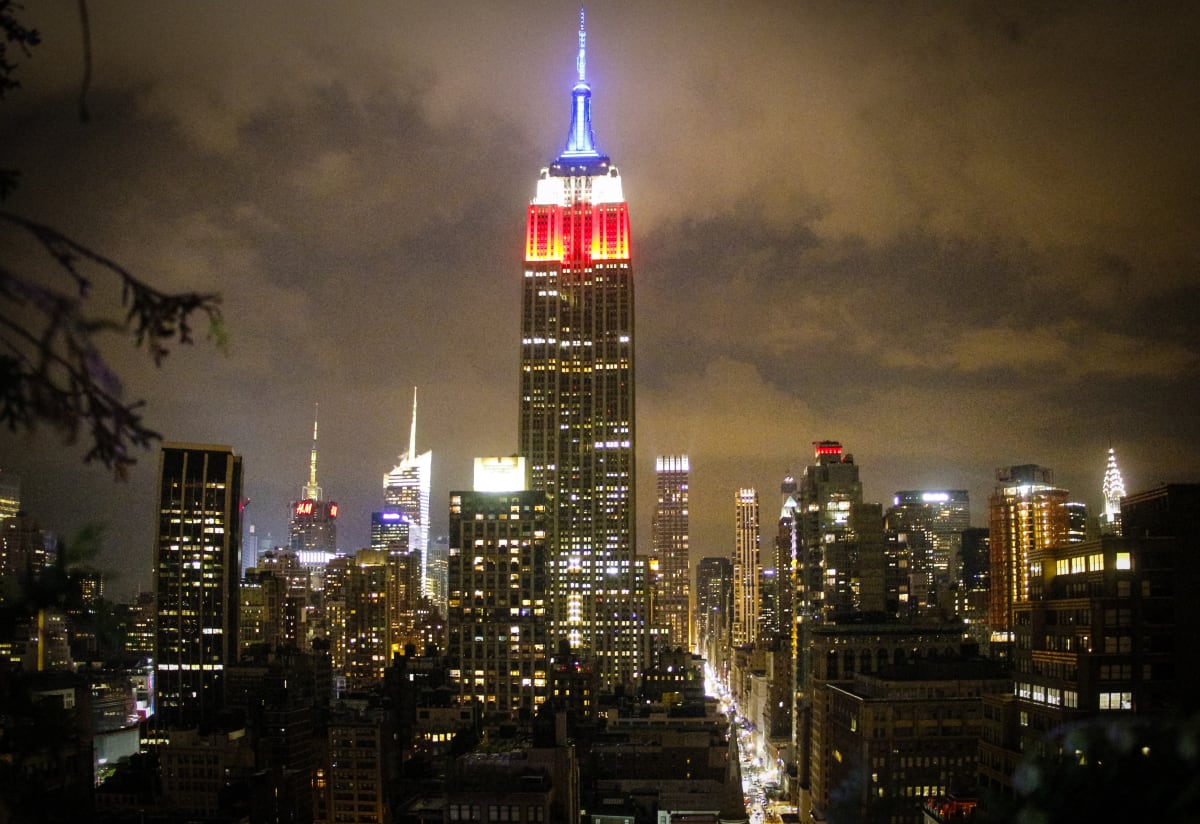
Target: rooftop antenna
(311,490)
(412,435)
(581,60)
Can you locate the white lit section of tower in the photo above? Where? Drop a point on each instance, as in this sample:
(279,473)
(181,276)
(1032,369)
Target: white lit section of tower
(406,493)
(1114,491)
(576,423)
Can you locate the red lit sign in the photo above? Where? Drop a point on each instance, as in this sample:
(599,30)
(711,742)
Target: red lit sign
(304,508)
(333,510)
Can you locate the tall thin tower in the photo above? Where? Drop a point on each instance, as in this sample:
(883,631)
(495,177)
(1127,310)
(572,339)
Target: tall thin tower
(670,532)
(196,580)
(576,422)
(406,497)
(746,568)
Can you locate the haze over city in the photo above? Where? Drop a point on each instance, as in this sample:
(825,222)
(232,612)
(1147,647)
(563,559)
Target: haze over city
(952,237)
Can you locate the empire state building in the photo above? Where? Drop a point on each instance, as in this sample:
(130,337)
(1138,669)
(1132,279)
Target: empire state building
(576,427)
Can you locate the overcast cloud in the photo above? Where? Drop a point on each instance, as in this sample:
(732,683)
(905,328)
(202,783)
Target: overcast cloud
(952,236)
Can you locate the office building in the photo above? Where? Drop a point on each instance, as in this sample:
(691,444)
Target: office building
(827,489)
(941,515)
(1027,512)
(498,617)
(714,606)
(403,525)
(1106,632)
(669,527)
(196,580)
(576,421)
(367,620)
(746,568)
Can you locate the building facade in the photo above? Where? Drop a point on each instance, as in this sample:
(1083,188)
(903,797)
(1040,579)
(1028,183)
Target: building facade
(1104,633)
(746,568)
(576,421)
(498,611)
(714,607)
(670,532)
(196,580)
(1027,513)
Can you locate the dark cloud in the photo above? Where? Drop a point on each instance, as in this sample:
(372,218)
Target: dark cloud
(953,236)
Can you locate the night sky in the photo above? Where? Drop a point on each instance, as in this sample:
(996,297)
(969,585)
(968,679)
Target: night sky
(952,236)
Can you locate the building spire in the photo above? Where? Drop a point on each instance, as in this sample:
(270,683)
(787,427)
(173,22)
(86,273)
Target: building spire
(311,490)
(581,60)
(581,143)
(1114,491)
(412,434)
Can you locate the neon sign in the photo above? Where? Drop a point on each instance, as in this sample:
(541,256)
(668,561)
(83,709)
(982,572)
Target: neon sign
(304,507)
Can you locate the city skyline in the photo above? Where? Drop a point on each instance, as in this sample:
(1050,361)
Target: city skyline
(979,255)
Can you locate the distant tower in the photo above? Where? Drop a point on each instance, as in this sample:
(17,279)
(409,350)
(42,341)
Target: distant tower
(576,418)
(406,503)
(1114,491)
(714,600)
(313,527)
(670,531)
(196,579)
(746,564)
(1027,512)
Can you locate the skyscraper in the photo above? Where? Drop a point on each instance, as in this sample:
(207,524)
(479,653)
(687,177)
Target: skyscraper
(943,514)
(714,598)
(828,490)
(403,526)
(670,532)
(196,580)
(1026,513)
(313,524)
(746,564)
(576,422)
(497,616)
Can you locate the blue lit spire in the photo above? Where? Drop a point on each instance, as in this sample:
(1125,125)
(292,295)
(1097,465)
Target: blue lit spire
(581,142)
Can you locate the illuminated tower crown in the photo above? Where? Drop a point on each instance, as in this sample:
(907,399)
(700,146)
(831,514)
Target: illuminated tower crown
(1114,491)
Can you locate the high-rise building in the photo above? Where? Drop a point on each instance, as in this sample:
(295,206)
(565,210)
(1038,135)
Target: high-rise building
(942,514)
(313,525)
(670,531)
(746,567)
(196,580)
(1114,490)
(403,525)
(576,422)
(497,614)
(714,605)
(1104,634)
(828,490)
(1027,512)
(367,618)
